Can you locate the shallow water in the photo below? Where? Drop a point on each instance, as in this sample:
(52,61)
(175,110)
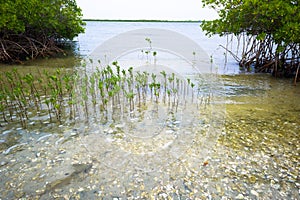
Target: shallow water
(196,152)
(262,133)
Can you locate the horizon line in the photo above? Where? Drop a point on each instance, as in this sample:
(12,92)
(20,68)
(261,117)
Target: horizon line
(141,20)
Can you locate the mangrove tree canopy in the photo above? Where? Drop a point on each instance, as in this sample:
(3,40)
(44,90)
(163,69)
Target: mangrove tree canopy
(267,30)
(36,28)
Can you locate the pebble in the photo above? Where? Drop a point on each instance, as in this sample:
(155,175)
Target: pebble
(240,196)
(163,195)
(73,134)
(169,131)
(253,192)
(276,186)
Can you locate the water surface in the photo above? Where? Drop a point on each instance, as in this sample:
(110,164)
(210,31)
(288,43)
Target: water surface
(252,154)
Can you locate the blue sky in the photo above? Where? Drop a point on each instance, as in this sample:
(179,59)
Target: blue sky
(142,9)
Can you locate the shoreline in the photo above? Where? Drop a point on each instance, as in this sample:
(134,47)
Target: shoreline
(143,20)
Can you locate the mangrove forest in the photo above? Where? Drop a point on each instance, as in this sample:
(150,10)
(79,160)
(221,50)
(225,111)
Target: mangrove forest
(33,28)
(267,33)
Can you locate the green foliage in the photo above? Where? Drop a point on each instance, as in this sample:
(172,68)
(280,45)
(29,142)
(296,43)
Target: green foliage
(278,18)
(65,95)
(35,28)
(272,29)
(49,18)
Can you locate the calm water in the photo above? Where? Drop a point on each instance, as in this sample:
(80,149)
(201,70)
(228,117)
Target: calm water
(251,152)
(98,32)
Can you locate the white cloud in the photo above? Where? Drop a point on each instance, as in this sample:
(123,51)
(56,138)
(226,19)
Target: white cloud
(141,9)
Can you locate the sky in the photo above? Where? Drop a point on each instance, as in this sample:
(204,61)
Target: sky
(142,9)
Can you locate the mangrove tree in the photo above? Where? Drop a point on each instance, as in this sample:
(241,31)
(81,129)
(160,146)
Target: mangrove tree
(35,28)
(267,33)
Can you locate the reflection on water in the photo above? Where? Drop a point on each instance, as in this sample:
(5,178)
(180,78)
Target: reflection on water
(253,155)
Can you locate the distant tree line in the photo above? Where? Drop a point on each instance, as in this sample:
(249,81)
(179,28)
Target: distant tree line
(267,32)
(36,28)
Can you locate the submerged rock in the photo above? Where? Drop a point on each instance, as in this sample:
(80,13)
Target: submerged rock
(66,178)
